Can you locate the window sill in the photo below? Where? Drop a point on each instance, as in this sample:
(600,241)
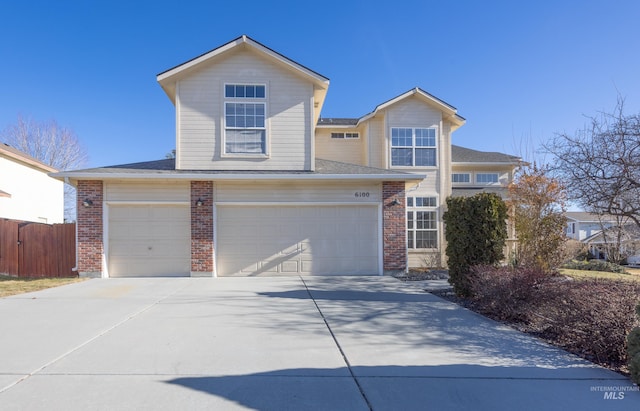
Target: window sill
(245,155)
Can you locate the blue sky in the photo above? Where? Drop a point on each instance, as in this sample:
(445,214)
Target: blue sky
(517,71)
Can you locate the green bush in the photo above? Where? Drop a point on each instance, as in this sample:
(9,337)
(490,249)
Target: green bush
(476,231)
(594,265)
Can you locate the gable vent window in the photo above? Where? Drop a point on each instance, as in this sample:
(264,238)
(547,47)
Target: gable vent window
(345,136)
(245,118)
(413,147)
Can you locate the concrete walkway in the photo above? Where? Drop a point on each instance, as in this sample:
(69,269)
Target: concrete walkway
(347,343)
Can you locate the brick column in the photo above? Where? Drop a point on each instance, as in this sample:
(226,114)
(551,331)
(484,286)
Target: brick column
(202,229)
(90,229)
(394,227)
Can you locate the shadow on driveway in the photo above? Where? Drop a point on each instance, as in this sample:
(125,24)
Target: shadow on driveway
(452,387)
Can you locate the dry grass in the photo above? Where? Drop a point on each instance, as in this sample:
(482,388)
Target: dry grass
(633,274)
(12,285)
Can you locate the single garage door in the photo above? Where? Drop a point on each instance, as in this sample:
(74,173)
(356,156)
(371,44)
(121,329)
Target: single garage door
(291,240)
(149,241)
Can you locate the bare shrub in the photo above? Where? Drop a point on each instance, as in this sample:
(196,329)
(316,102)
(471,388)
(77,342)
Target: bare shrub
(591,318)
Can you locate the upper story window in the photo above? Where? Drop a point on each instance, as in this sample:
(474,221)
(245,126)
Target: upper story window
(460,178)
(244,113)
(413,147)
(486,178)
(345,136)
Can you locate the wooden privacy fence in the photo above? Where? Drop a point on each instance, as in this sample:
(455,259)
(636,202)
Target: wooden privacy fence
(37,250)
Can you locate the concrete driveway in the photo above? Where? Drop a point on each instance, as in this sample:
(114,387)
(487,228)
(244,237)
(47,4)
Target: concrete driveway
(347,343)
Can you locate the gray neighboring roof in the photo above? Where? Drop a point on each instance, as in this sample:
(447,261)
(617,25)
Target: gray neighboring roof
(338,122)
(584,217)
(166,169)
(467,155)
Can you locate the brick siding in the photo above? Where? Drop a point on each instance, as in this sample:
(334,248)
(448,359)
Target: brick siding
(394,226)
(90,229)
(202,227)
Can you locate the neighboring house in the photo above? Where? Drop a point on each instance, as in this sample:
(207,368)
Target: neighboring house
(27,192)
(261,184)
(626,238)
(582,225)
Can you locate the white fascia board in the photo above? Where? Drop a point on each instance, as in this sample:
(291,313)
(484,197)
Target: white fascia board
(223,177)
(477,163)
(337,126)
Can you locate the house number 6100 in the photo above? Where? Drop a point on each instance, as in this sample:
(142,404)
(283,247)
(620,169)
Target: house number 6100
(362,194)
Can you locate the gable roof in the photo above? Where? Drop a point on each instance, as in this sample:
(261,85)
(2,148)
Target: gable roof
(21,157)
(325,170)
(449,112)
(168,78)
(467,155)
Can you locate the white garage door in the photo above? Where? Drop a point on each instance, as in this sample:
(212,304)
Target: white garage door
(149,241)
(289,240)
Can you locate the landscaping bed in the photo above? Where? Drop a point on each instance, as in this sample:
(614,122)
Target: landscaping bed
(588,315)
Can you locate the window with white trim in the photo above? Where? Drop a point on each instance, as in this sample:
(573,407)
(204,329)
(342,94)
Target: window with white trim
(345,136)
(460,178)
(422,222)
(245,118)
(486,178)
(413,147)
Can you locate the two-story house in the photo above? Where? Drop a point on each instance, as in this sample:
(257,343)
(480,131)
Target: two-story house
(262,185)
(27,193)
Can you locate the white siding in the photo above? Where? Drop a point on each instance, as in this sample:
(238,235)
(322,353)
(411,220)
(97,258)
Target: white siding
(298,192)
(34,195)
(340,149)
(377,145)
(412,112)
(152,191)
(200,115)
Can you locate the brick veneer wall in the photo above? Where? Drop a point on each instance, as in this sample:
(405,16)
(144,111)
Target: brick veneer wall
(90,228)
(394,226)
(202,228)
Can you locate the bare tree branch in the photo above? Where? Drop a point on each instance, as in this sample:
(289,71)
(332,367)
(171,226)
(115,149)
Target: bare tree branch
(54,145)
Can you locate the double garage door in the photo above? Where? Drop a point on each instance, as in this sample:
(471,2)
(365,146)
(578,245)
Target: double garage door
(291,240)
(153,240)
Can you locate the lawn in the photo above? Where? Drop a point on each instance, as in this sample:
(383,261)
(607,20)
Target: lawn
(633,274)
(12,285)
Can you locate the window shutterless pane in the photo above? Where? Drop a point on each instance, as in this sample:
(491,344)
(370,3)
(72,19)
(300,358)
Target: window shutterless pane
(401,157)
(337,135)
(239,91)
(250,91)
(460,178)
(260,91)
(409,201)
(229,90)
(425,156)
(409,220)
(425,137)
(426,239)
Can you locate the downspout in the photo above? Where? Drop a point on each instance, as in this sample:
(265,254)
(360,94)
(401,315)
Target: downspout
(67,181)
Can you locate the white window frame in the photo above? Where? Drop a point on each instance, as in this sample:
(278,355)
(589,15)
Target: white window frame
(413,147)
(497,178)
(413,210)
(345,135)
(255,101)
(468,178)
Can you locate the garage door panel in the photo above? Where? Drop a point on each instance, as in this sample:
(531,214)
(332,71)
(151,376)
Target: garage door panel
(285,240)
(149,240)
